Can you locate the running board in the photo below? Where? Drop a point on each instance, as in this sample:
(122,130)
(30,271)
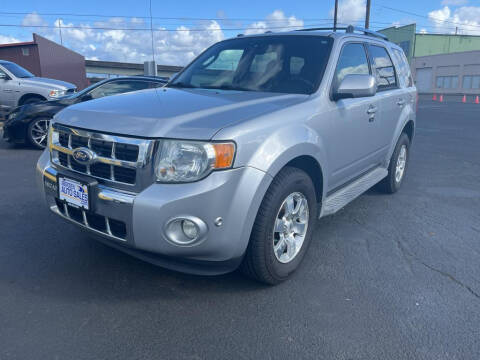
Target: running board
(342,197)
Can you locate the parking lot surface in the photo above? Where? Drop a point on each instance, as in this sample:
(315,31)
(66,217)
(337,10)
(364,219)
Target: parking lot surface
(388,277)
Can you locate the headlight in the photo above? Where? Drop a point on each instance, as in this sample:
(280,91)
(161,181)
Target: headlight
(57,93)
(186,161)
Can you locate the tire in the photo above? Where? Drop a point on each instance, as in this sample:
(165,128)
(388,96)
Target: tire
(392,183)
(37,132)
(260,261)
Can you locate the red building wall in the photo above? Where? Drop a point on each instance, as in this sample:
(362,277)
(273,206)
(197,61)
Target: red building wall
(25,55)
(58,62)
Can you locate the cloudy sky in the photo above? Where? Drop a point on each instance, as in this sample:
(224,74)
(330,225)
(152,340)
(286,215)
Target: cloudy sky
(119,30)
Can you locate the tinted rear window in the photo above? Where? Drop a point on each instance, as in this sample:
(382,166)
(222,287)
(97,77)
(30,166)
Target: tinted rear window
(403,69)
(383,67)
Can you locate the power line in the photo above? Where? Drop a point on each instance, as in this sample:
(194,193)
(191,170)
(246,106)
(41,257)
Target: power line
(154,17)
(428,17)
(156,30)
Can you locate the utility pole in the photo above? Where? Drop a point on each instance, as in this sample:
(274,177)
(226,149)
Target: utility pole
(151,33)
(335,16)
(60,28)
(367,15)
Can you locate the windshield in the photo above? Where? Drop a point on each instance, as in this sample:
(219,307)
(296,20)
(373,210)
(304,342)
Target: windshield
(17,70)
(283,63)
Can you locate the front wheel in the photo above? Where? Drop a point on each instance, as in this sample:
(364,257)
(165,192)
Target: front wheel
(37,132)
(283,227)
(397,167)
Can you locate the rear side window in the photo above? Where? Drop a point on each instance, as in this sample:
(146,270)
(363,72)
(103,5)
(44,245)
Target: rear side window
(403,69)
(352,60)
(383,67)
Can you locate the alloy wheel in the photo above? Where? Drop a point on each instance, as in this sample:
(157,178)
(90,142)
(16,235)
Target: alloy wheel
(290,227)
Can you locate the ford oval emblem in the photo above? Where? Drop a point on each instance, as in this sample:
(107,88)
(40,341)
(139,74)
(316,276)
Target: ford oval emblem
(83,156)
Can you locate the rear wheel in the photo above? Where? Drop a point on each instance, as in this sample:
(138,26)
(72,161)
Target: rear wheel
(37,132)
(398,166)
(283,227)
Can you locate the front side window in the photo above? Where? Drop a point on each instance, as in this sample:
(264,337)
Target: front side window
(118,87)
(352,60)
(275,63)
(384,70)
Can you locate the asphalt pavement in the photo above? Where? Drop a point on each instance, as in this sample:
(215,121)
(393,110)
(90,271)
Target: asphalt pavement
(388,277)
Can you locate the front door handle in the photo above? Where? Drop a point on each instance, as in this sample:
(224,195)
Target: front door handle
(372,109)
(400,102)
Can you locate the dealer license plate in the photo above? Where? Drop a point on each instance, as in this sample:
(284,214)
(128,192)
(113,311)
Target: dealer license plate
(73,192)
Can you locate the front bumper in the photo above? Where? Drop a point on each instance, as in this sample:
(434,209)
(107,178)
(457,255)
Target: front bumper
(234,195)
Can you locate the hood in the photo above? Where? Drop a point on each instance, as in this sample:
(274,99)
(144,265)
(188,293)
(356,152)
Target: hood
(48,83)
(173,113)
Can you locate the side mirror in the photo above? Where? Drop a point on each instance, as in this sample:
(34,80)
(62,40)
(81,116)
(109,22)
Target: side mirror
(355,86)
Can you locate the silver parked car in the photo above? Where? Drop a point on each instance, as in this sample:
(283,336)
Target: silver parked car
(18,86)
(232,163)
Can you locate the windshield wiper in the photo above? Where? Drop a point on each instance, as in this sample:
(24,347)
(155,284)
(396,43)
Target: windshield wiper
(227,87)
(181,85)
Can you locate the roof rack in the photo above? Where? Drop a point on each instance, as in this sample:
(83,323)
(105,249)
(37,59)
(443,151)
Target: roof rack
(350,29)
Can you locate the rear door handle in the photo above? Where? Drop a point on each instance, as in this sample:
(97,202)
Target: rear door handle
(400,102)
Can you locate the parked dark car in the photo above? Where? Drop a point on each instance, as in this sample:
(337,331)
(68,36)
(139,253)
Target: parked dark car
(29,123)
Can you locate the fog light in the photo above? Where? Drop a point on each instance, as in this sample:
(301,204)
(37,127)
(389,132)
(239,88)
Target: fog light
(186,230)
(189,229)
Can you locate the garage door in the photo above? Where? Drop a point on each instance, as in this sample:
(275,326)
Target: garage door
(424,80)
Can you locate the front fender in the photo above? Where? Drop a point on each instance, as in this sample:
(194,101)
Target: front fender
(271,149)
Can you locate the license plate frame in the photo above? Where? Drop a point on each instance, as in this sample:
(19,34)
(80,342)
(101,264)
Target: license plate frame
(70,196)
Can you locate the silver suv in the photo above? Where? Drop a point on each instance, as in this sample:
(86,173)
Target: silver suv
(18,86)
(231,164)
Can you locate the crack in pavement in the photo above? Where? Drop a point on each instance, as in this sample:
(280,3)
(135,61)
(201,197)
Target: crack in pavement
(408,254)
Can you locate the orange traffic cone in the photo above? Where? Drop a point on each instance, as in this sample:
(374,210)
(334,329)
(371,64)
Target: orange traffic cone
(441,98)
(434,98)
(464,99)
(477,100)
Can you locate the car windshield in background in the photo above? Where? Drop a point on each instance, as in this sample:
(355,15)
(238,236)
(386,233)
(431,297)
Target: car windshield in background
(17,70)
(283,64)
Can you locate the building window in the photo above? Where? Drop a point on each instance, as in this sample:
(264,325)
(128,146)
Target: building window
(25,51)
(476,82)
(471,82)
(447,82)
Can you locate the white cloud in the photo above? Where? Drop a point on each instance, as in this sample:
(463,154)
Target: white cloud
(277,21)
(176,46)
(466,18)
(423,31)
(455,2)
(5,39)
(33,19)
(350,11)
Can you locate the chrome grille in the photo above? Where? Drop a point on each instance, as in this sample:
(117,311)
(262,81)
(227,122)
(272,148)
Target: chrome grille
(118,160)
